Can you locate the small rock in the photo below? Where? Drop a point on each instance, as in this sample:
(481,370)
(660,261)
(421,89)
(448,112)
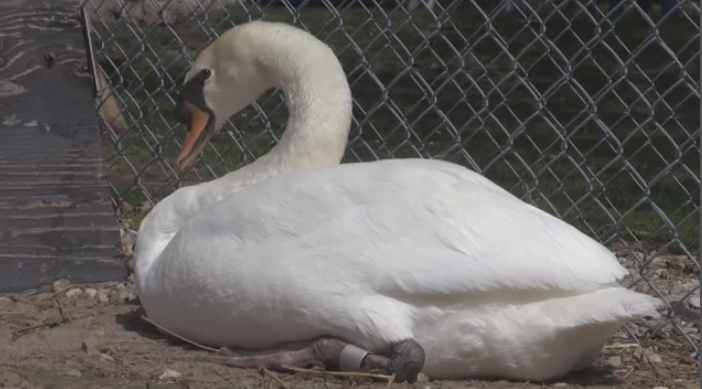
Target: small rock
(660,387)
(694,328)
(120,287)
(129,265)
(90,292)
(102,298)
(105,357)
(677,261)
(560,385)
(126,296)
(684,311)
(145,207)
(653,357)
(87,346)
(639,353)
(4,300)
(169,374)
(131,288)
(658,260)
(674,288)
(126,208)
(422,378)
(74,373)
(11,120)
(74,292)
(614,361)
(126,243)
(61,285)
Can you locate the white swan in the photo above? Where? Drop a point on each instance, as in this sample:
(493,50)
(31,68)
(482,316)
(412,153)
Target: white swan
(393,256)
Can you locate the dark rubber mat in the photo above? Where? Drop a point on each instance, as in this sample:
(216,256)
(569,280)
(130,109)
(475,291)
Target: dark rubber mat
(56,219)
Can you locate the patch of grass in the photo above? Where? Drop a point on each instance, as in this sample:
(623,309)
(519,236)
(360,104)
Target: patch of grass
(594,121)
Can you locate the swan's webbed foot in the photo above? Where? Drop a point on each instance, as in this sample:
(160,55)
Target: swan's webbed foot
(324,352)
(407,360)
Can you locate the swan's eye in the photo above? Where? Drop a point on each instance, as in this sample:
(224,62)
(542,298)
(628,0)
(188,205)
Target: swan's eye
(205,74)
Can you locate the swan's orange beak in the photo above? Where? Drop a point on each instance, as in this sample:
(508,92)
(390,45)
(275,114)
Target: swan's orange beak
(199,125)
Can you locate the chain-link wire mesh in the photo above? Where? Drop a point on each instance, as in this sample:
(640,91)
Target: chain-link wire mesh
(588,110)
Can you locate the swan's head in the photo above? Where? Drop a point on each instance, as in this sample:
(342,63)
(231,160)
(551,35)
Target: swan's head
(247,60)
(224,79)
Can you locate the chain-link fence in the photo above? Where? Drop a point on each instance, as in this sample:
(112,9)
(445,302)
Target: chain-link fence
(589,110)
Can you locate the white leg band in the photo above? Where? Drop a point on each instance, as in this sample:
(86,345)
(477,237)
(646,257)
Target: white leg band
(351,358)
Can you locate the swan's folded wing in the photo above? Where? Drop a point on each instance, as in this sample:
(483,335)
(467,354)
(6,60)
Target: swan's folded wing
(411,228)
(396,251)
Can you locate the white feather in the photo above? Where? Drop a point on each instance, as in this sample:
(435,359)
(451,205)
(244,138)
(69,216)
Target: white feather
(378,252)
(371,253)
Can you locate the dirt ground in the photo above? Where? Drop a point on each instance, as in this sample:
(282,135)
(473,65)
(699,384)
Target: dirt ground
(74,337)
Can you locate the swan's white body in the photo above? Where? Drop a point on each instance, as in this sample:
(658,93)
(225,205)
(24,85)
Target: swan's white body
(374,253)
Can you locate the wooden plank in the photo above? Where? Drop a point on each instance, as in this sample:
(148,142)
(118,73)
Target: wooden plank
(56,219)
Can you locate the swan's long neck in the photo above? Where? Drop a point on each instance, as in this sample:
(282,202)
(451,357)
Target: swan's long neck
(318,99)
(319,105)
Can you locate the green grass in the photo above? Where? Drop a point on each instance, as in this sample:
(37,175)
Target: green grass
(613,174)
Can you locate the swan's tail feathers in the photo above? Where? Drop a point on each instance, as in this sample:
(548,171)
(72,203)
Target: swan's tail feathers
(610,305)
(641,305)
(626,304)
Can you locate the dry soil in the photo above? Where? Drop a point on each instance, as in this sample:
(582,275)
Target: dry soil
(75,337)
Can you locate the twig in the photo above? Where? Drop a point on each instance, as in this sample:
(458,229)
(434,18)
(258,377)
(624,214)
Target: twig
(100,284)
(2,314)
(184,339)
(652,378)
(62,312)
(524,385)
(50,324)
(390,381)
(337,373)
(31,293)
(383,377)
(275,378)
(621,345)
(16,315)
(24,331)
(56,293)
(630,372)
(656,370)
(17,299)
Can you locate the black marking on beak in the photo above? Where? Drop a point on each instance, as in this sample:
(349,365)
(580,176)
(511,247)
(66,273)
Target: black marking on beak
(193,92)
(193,112)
